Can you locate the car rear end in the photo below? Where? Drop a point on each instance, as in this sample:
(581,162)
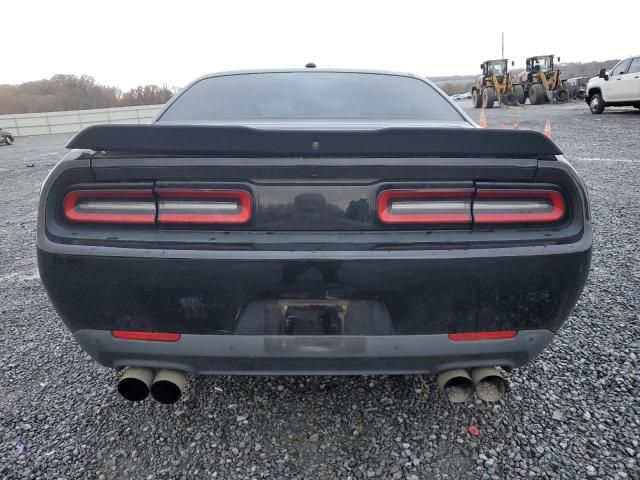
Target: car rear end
(280,250)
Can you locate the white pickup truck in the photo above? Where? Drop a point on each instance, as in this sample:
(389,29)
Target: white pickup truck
(618,87)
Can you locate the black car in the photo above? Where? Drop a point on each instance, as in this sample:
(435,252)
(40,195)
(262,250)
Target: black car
(312,222)
(6,137)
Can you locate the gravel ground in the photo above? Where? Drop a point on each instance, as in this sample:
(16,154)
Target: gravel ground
(573,413)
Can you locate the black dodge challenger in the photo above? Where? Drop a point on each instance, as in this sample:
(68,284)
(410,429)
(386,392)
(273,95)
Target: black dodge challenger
(312,221)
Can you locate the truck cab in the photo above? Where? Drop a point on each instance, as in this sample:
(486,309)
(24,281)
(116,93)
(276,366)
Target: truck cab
(618,87)
(540,64)
(498,68)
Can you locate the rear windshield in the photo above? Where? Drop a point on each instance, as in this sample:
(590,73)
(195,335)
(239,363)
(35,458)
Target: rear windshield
(311,96)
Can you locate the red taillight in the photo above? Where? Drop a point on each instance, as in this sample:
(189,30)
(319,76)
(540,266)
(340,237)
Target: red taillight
(469,206)
(518,206)
(203,206)
(150,336)
(110,206)
(467,337)
(437,205)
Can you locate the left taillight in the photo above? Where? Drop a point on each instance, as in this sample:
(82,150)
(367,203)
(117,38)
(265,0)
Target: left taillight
(163,206)
(110,206)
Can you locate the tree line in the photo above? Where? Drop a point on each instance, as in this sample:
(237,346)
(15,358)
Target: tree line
(71,92)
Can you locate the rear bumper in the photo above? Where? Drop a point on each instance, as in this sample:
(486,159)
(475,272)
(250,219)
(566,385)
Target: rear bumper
(283,355)
(424,292)
(220,302)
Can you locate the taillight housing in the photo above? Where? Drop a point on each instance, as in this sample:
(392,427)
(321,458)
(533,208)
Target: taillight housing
(500,206)
(482,206)
(200,206)
(426,206)
(110,206)
(163,206)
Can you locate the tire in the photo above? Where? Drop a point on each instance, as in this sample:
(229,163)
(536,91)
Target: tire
(9,140)
(536,94)
(509,99)
(476,99)
(488,97)
(561,95)
(596,104)
(520,94)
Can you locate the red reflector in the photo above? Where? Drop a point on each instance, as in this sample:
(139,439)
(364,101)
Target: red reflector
(153,336)
(436,205)
(518,206)
(110,206)
(203,206)
(466,337)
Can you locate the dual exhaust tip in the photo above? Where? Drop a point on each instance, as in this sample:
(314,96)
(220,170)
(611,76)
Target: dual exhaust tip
(165,386)
(458,385)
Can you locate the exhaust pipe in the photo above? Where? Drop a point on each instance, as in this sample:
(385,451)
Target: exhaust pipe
(489,383)
(456,385)
(135,383)
(168,385)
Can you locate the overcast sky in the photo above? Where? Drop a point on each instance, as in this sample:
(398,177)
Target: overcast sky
(127,43)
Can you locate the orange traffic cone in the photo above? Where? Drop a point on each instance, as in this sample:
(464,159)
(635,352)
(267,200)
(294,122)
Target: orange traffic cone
(516,124)
(547,128)
(483,120)
(501,125)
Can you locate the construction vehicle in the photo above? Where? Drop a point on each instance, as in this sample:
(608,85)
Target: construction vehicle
(576,87)
(494,84)
(540,82)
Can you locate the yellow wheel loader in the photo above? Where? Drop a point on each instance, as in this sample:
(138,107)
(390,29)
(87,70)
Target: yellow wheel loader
(541,82)
(493,85)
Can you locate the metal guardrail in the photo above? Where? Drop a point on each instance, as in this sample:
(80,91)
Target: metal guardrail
(73,121)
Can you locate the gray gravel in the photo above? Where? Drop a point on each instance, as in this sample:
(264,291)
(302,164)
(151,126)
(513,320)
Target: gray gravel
(573,413)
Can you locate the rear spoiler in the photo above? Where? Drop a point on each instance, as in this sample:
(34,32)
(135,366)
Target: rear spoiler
(258,142)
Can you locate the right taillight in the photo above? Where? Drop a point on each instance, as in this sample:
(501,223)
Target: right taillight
(500,206)
(484,206)
(425,206)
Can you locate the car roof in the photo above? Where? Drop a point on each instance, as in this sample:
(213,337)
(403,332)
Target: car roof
(307,70)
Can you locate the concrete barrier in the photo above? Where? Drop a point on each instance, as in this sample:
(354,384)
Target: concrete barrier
(48,123)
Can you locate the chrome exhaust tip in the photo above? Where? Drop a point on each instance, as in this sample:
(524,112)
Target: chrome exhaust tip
(456,385)
(168,386)
(135,383)
(489,383)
